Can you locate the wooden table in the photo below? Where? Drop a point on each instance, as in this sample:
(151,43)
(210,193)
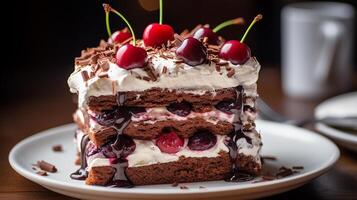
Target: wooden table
(54,107)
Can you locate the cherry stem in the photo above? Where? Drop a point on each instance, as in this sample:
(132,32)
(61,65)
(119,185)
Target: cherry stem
(220,26)
(107,24)
(161,12)
(107,9)
(256,19)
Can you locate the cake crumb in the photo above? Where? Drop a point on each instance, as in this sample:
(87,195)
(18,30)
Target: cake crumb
(57,148)
(183,187)
(298,167)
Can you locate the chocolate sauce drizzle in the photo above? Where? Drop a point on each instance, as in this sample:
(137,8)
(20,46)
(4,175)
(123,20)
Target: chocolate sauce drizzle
(81,173)
(236,175)
(119,179)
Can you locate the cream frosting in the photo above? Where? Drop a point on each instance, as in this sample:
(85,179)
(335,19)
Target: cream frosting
(180,76)
(153,115)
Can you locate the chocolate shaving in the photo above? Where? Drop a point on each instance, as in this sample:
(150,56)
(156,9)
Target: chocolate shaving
(178,39)
(174,184)
(215,60)
(85,76)
(218,68)
(231,73)
(284,172)
(103,75)
(195,29)
(222,63)
(46,166)
(42,173)
(268,158)
(183,187)
(201,187)
(178,61)
(33,168)
(146,78)
(298,167)
(90,56)
(57,148)
(164,70)
(205,40)
(185,33)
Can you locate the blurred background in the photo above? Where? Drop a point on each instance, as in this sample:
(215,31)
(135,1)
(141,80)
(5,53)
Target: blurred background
(45,36)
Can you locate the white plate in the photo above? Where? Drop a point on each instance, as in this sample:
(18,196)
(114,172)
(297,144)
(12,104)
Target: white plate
(339,106)
(292,146)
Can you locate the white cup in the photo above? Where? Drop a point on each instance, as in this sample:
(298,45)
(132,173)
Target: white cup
(317,42)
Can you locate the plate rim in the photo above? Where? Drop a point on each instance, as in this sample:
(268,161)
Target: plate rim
(299,178)
(330,131)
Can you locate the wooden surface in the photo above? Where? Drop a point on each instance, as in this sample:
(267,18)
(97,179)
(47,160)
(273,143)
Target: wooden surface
(20,119)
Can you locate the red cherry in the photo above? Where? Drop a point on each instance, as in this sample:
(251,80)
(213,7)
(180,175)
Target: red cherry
(129,56)
(169,142)
(157,34)
(119,36)
(206,32)
(192,51)
(235,51)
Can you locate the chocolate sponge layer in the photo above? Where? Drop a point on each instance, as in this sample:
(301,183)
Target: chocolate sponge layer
(157,97)
(183,170)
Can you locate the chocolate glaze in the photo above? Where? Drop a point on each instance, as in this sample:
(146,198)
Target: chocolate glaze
(237,109)
(123,119)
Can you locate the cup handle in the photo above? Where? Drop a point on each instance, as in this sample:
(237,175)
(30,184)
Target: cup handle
(332,32)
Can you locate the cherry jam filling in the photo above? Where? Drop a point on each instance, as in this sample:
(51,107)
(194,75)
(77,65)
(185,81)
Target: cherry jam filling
(202,140)
(227,106)
(115,116)
(180,108)
(120,149)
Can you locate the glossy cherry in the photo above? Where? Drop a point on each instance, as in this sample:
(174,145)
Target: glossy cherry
(169,142)
(201,141)
(129,57)
(192,51)
(235,52)
(157,34)
(206,32)
(120,36)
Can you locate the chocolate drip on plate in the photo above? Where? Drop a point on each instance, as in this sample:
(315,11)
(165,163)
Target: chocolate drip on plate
(81,173)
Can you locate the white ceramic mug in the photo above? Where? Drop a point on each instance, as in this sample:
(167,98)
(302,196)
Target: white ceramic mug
(317,42)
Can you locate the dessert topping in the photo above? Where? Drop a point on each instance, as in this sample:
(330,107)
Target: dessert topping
(192,51)
(128,56)
(236,51)
(157,34)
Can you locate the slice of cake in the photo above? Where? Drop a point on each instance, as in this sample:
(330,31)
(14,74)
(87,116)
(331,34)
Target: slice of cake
(186,114)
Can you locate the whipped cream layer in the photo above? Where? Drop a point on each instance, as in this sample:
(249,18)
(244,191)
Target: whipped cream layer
(153,115)
(147,153)
(179,76)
